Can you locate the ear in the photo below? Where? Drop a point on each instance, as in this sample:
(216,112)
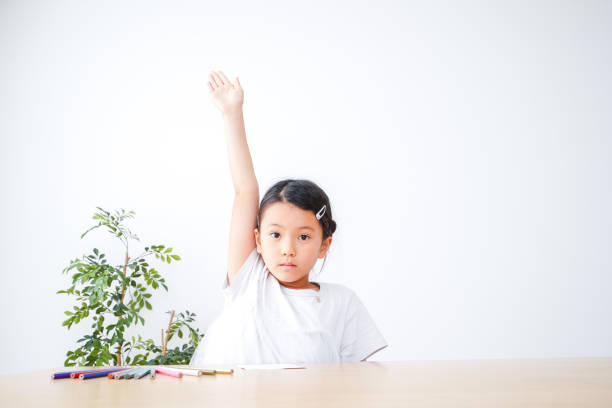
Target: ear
(325,247)
(257,240)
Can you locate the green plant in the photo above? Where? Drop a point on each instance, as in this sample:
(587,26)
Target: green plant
(119,293)
(178,355)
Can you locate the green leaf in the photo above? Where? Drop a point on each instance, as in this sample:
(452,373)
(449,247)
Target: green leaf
(95,226)
(178,258)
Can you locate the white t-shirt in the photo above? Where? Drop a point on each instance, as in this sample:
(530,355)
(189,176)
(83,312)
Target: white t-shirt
(263,322)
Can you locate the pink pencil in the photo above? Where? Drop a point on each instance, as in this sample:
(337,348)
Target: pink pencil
(167,371)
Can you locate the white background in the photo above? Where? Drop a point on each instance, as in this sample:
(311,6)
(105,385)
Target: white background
(465,147)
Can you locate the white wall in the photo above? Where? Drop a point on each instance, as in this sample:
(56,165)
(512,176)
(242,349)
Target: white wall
(465,148)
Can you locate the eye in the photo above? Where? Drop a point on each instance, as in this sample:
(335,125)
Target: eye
(272,233)
(304,235)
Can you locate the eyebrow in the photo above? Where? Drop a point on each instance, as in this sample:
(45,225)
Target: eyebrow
(304,227)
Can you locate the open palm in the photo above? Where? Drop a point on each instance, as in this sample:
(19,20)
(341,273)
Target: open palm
(226,95)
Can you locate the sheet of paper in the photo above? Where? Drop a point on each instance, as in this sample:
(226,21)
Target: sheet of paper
(269,366)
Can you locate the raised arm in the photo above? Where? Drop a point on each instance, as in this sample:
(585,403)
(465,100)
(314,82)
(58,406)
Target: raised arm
(229,97)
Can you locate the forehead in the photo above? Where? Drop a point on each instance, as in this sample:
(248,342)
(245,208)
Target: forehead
(288,215)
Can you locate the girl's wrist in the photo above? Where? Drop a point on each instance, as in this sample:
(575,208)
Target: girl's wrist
(232,113)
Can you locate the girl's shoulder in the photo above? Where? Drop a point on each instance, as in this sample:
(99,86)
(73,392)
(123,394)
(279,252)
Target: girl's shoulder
(339,291)
(338,287)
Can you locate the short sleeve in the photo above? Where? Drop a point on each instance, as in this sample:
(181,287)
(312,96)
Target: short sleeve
(247,277)
(361,338)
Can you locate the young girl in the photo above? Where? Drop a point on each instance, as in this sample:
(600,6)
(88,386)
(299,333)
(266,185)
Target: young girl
(272,312)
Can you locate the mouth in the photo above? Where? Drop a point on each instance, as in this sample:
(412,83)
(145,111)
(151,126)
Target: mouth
(287,266)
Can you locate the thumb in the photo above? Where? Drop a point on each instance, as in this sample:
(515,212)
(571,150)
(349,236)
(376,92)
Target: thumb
(238,82)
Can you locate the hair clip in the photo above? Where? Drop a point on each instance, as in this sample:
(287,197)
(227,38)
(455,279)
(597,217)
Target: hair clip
(321,212)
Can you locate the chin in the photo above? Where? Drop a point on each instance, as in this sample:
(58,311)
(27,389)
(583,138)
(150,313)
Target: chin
(285,277)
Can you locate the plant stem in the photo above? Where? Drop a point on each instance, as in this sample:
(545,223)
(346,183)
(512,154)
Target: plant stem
(127,258)
(165,344)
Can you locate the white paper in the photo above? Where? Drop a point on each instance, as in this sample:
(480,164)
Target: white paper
(269,366)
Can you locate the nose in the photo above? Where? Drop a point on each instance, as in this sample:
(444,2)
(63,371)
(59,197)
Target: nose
(288,249)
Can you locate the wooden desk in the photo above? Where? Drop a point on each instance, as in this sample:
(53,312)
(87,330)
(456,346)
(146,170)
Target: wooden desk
(579,382)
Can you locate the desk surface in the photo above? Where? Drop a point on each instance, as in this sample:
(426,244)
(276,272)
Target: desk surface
(583,382)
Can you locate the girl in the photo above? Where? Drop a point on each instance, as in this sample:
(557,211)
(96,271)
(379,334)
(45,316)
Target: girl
(272,312)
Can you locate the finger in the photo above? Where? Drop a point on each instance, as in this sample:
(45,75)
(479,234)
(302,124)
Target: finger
(227,81)
(238,82)
(213,81)
(218,77)
(210,87)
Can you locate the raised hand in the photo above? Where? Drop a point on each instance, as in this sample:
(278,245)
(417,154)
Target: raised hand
(227,96)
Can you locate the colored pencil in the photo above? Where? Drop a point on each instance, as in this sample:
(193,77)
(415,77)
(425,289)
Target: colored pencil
(187,371)
(133,373)
(66,374)
(210,371)
(124,374)
(168,371)
(63,374)
(57,376)
(77,374)
(115,374)
(87,376)
(146,371)
(129,374)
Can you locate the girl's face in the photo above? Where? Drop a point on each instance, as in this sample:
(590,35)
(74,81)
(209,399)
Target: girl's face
(290,235)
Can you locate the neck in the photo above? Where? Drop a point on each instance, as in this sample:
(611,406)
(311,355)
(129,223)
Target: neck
(301,285)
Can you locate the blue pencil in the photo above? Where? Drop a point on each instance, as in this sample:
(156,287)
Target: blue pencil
(98,374)
(137,372)
(146,371)
(131,373)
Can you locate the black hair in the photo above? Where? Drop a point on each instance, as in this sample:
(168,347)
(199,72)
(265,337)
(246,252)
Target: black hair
(304,194)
